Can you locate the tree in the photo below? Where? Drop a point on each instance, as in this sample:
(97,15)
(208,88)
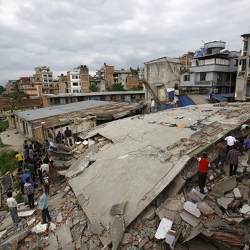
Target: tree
(16,98)
(93,87)
(2,89)
(117,87)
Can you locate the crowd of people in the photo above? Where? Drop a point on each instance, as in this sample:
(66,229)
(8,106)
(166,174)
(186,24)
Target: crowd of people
(34,171)
(228,153)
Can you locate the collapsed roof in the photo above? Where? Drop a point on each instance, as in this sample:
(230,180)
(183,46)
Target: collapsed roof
(147,154)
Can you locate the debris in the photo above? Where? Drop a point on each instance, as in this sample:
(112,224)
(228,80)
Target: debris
(164,226)
(52,226)
(26,213)
(2,233)
(39,228)
(170,239)
(192,208)
(224,201)
(64,237)
(96,228)
(237,193)
(59,218)
(127,239)
(117,231)
(205,208)
(195,231)
(225,185)
(149,214)
(245,209)
(190,219)
(118,209)
(31,221)
(195,196)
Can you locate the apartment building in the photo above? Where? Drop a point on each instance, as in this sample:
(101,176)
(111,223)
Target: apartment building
(63,85)
(78,80)
(213,70)
(242,92)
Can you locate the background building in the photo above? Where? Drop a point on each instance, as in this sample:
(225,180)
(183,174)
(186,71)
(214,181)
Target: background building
(78,80)
(213,70)
(108,75)
(162,76)
(242,92)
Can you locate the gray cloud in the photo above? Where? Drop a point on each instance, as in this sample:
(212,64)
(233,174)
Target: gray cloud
(64,34)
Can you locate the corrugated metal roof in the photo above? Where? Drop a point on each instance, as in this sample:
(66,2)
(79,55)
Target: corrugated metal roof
(34,114)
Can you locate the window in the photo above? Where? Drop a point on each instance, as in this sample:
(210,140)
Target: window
(203,76)
(243,67)
(75,91)
(186,78)
(75,83)
(236,62)
(220,77)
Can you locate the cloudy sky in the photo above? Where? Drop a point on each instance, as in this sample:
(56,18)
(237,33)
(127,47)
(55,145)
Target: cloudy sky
(66,33)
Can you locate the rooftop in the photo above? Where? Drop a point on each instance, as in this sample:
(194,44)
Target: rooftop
(97,93)
(34,114)
(164,59)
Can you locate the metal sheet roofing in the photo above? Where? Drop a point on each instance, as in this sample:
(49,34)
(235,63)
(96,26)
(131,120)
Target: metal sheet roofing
(34,114)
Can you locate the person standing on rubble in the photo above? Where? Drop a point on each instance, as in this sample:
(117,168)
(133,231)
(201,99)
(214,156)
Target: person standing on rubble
(233,160)
(202,171)
(12,204)
(246,145)
(19,158)
(26,149)
(46,182)
(43,206)
(230,142)
(29,191)
(222,154)
(68,136)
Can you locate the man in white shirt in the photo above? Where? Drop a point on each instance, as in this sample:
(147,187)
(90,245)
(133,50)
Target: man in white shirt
(230,142)
(12,204)
(45,167)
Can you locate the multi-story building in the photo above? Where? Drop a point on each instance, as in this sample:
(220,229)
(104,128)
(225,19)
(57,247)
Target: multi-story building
(27,85)
(242,92)
(10,86)
(78,80)
(213,70)
(63,85)
(43,75)
(108,76)
(162,75)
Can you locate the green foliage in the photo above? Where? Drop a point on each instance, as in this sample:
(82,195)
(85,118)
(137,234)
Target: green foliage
(93,87)
(117,87)
(7,161)
(3,125)
(2,89)
(16,98)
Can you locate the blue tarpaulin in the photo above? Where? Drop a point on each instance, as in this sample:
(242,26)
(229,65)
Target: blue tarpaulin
(185,101)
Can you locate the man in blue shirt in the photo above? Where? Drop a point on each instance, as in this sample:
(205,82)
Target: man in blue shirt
(23,178)
(246,145)
(43,206)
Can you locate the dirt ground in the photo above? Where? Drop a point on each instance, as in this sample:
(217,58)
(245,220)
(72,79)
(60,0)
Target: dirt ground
(12,139)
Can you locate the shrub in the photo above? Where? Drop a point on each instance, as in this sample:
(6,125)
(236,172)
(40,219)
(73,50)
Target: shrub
(7,161)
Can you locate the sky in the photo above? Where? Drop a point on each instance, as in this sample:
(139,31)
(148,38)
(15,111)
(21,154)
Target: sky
(66,33)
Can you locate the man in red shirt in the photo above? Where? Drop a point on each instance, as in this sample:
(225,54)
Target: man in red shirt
(202,171)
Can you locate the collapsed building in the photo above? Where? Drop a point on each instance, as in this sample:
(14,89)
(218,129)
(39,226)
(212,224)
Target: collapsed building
(131,184)
(79,117)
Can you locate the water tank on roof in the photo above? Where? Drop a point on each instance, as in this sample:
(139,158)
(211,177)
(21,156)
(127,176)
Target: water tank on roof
(215,44)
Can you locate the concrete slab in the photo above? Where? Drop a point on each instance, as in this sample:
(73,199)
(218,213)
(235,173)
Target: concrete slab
(142,175)
(190,219)
(64,237)
(223,186)
(224,201)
